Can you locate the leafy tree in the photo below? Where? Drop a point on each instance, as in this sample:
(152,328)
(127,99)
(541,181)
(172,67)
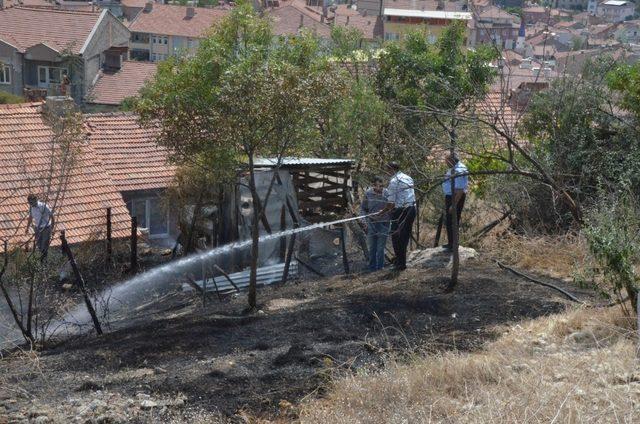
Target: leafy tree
(625,80)
(612,231)
(579,135)
(244,94)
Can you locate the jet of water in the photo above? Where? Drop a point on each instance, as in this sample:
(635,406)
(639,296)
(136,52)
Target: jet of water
(144,285)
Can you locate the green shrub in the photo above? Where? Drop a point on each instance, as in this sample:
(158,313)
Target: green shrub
(8,98)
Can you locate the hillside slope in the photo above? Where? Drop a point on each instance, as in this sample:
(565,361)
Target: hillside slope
(177,361)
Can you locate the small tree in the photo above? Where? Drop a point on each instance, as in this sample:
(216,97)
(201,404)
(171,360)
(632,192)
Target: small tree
(613,232)
(243,95)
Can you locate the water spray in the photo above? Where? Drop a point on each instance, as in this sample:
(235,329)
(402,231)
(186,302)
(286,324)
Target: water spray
(126,291)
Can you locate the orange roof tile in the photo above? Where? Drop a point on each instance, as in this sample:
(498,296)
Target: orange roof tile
(26,143)
(24,27)
(288,19)
(112,88)
(167,19)
(129,152)
(291,15)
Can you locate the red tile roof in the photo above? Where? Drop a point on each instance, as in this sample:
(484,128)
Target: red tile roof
(291,15)
(112,88)
(288,19)
(26,143)
(128,151)
(24,27)
(164,19)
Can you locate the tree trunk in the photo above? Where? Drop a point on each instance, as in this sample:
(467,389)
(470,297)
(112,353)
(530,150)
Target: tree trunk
(255,235)
(455,251)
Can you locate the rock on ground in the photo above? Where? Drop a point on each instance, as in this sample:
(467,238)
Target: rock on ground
(438,257)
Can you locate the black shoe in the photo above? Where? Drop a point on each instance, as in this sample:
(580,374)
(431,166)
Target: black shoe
(447,247)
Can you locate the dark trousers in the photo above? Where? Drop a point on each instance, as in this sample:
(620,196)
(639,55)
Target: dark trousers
(43,239)
(449,218)
(401,226)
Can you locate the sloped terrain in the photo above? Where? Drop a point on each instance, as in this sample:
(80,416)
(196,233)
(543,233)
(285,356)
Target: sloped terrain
(179,361)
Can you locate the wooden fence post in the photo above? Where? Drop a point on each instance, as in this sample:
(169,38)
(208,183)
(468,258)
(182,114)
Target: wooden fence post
(439,230)
(134,243)
(343,245)
(80,282)
(287,261)
(109,242)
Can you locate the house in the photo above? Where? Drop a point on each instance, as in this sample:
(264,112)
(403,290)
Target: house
(131,8)
(493,25)
(114,85)
(40,47)
(162,30)
(628,32)
(398,22)
(571,4)
(292,16)
(534,14)
(615,10)
(28,150)
(136,166)
(289,20)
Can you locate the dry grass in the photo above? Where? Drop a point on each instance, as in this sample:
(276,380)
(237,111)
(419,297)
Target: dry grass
(558,256)
(576,367)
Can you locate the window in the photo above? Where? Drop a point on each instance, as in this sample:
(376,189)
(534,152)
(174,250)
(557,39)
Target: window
(140,37)
(391,36)
(150,214)
(158,57)
(50,75)
(5,74)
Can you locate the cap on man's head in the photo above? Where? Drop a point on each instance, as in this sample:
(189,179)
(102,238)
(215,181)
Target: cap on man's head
(394,165)
(32,198)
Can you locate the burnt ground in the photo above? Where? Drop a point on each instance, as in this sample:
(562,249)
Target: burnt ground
(178,359)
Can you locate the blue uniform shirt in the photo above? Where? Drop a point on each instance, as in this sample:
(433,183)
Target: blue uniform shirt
(461,182)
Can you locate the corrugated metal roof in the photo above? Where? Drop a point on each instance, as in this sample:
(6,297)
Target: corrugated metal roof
(294,161)
(266,275)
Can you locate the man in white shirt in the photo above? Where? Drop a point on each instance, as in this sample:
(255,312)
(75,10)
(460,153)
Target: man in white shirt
(402,201)
(43,220)
(457,198)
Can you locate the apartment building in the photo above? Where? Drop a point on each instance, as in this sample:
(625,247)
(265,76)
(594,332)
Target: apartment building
(162,30)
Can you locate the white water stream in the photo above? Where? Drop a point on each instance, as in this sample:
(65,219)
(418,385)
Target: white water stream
(140,287)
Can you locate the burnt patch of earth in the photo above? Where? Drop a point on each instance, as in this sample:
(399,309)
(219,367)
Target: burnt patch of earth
(217,361)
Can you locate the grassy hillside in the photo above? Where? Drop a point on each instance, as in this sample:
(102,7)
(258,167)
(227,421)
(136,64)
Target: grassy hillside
(575,367)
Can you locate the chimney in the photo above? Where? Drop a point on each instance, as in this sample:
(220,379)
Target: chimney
(347,20)
(59,105)
(322,18)
(148,7)
(440,5)
(191,12)
(364,13)
(301,20)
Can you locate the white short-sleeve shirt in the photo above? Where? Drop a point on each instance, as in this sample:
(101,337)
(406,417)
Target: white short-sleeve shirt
(40,215)
(401,192)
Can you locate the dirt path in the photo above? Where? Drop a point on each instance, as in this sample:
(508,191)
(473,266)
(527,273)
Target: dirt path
(182,361)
